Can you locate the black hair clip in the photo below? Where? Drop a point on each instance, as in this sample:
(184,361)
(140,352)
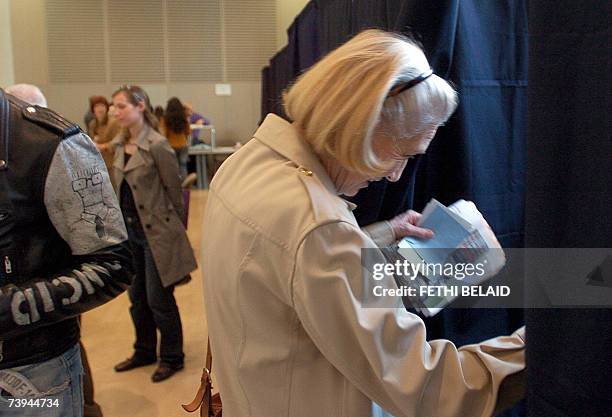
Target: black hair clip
(409,84)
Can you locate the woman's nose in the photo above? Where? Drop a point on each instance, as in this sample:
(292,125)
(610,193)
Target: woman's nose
(397,172)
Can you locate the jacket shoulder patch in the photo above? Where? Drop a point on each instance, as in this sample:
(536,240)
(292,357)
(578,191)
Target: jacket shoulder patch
(323,207)
(50,120)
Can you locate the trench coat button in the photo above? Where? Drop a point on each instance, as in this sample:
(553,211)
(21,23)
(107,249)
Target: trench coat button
(305,171)
(140,206)
(134,187)
(167,219)
(148,226)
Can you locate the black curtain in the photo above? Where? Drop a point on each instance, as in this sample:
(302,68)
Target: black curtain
(281,74)
(305,35)
(568,198)
(302,50)
(334,24)
(266,92)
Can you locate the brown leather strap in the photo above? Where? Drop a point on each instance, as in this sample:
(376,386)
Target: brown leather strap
(200,394)
(208,357)
(203,395)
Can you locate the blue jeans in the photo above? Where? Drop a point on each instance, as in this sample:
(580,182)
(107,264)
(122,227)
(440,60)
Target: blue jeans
(153,305)
(46,389)
(377,411)
(182,155)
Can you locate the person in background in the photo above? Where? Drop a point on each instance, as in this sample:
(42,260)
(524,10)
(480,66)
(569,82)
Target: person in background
(89,115)
(29,93)
(149,188)
(64,252)
(102,128)
(99,107)
(195,119)
(288,305)
(175,127)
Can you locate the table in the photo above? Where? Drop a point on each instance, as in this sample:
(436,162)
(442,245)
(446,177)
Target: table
(201,152)
(198,128)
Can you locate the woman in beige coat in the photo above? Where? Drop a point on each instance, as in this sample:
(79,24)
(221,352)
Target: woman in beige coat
(284,288)
(147,182)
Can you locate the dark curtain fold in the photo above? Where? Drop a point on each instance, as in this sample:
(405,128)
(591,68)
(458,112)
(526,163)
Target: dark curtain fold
(302,50)
(282,71)
(307,39)
(266,92)
(334,23)
(369,14)
(434,24)
(568,198)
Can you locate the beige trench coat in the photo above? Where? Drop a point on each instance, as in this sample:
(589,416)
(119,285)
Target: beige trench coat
(283,287)
(153,175)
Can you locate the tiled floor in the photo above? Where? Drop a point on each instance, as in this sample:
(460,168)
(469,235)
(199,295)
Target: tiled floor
(108,335)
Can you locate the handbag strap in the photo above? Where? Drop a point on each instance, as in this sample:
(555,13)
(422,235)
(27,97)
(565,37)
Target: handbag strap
(204,394)
(208,357)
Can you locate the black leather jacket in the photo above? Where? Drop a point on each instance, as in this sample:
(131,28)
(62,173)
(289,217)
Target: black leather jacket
(63,247)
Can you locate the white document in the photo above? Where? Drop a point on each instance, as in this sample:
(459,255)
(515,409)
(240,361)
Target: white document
(461,236)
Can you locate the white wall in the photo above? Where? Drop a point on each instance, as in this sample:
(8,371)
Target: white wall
(235,117)
(286,11)
(6,48)
(23,48)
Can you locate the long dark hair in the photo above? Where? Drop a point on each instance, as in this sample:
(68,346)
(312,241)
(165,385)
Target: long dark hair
(176,117)
(135,95)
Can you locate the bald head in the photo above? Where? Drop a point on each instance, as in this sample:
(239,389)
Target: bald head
(28,93)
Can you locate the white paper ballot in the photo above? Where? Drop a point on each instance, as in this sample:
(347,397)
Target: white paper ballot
(461,235)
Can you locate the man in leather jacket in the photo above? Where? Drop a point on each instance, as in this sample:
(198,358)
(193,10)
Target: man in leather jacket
(63,251)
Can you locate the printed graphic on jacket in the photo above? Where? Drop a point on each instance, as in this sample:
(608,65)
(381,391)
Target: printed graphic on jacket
(88,184)
(80,199)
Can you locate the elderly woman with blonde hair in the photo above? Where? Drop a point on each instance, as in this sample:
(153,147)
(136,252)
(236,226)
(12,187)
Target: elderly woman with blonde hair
(290,332)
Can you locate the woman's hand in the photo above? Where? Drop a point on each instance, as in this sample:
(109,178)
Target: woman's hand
(405,224)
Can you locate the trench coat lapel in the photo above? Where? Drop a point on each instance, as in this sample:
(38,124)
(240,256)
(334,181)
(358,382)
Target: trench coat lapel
(136,160)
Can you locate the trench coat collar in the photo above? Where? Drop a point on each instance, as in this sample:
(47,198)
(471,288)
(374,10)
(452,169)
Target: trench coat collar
(136,160)
(284,138)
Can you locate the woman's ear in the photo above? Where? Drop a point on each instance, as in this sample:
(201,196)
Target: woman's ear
(141,106)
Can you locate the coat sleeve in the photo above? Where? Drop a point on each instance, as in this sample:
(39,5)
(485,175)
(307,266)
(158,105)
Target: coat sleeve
(383,350)
(167,166)
(83,209)
(381,233)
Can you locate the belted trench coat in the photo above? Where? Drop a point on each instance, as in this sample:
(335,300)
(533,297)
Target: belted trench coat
(153,176)
(290,331)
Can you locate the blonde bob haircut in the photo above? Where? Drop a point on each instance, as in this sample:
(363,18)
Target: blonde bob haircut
(343,100)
